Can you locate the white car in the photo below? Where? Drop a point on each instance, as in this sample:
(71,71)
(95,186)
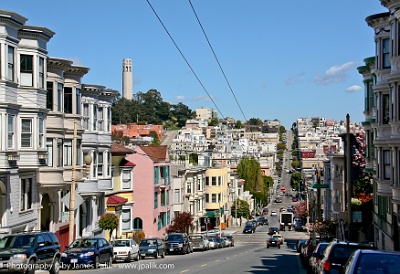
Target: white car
(125,249)
(274,213)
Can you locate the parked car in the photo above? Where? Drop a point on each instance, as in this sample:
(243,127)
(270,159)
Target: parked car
(274,213)
(272,230)
(88,251)
(372,262)
(214,244)
(300,245)
(125,250)
(152,247)
(271,242)
(315,257)
(177,242)
(336,255)
(231,239)
(248,228)
(200,242)
(29,248)
(227,241)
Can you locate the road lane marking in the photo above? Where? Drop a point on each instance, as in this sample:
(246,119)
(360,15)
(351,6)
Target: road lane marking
(183,271)
(204,264)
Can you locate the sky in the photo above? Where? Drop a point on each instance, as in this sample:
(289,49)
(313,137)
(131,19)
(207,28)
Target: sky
(266,59)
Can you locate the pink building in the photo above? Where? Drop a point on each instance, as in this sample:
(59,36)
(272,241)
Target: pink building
(151,182)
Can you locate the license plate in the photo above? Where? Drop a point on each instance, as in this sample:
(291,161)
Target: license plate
(74,261)
(273,242)
(1,265)
(171,249)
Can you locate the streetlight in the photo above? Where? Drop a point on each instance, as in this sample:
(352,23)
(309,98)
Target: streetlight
(88,161)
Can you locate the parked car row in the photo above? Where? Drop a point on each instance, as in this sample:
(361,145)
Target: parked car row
(348,258)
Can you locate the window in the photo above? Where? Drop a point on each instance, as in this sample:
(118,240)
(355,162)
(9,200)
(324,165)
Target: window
(100,119)
(60,88)
(94,117)
(155,199)
(85,118)
(26,69)
(207,198)
(214,198)
(49,96)
(126,179)
(137,224)
(26,133)
(100,164)
(11,131)
(78,100)
(385,109)
(126,219)
(109,120)
(41,73)
(207,181)
(188,187)
(10,60)
(198,184)
(386,53)
(386,165)
(94,165)
(163,197)
(41,133)
(67,100)
(59,152)
(49,145)
(67,152)
(177,198)
(214,181)
(26,194)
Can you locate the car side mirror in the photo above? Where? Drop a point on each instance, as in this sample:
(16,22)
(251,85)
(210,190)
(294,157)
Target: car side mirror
(41,244)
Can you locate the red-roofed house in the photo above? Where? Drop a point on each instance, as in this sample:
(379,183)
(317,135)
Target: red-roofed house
(151,177)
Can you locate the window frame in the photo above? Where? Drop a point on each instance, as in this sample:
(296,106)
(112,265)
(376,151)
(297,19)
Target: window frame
(26,69)
(26,134)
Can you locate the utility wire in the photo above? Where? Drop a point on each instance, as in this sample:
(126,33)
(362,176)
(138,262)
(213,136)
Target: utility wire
(216,59)
(184,58)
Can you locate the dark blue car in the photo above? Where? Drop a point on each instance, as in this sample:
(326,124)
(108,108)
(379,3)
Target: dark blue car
(87,253)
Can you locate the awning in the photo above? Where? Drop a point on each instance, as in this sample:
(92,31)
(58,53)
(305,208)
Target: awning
(115,200)
(210,214)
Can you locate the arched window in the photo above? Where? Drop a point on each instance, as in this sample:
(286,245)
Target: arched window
(137,224)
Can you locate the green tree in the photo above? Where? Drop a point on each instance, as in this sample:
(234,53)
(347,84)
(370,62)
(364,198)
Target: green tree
(255,121)
(240,209)
(156,140)
(181,113)
(295,180)
(214,122)
(108,221)
(193,158)
(249,169)
(238,124)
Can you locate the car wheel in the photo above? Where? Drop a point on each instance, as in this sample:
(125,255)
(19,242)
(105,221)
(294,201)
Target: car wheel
(137,257)
(279,246)
(30,267)
(156,255)
(163,254)
(96,262)
(55,268)
(267,246)
(128,258)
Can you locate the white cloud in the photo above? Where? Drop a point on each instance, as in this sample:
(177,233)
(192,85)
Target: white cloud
(354,88)
(180,98)
(335,74)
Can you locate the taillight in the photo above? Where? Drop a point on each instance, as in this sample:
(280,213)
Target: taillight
(327,265)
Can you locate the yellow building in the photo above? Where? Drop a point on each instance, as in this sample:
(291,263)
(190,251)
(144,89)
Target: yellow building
(216,196)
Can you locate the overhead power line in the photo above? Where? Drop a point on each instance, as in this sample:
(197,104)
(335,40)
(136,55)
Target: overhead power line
(184,58)
(216,59)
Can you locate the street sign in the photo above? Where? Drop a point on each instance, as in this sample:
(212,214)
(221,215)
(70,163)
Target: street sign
(78,199)
(320,186)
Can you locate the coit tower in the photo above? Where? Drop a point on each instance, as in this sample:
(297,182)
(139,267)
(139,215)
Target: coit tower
(127,88)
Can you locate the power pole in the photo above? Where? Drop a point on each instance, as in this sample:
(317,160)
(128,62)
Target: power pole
(72,191)
(348,175)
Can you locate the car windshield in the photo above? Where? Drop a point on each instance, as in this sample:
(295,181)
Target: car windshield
(148,243)
(174,237)
(121,243)
(20,241)
(83,243)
